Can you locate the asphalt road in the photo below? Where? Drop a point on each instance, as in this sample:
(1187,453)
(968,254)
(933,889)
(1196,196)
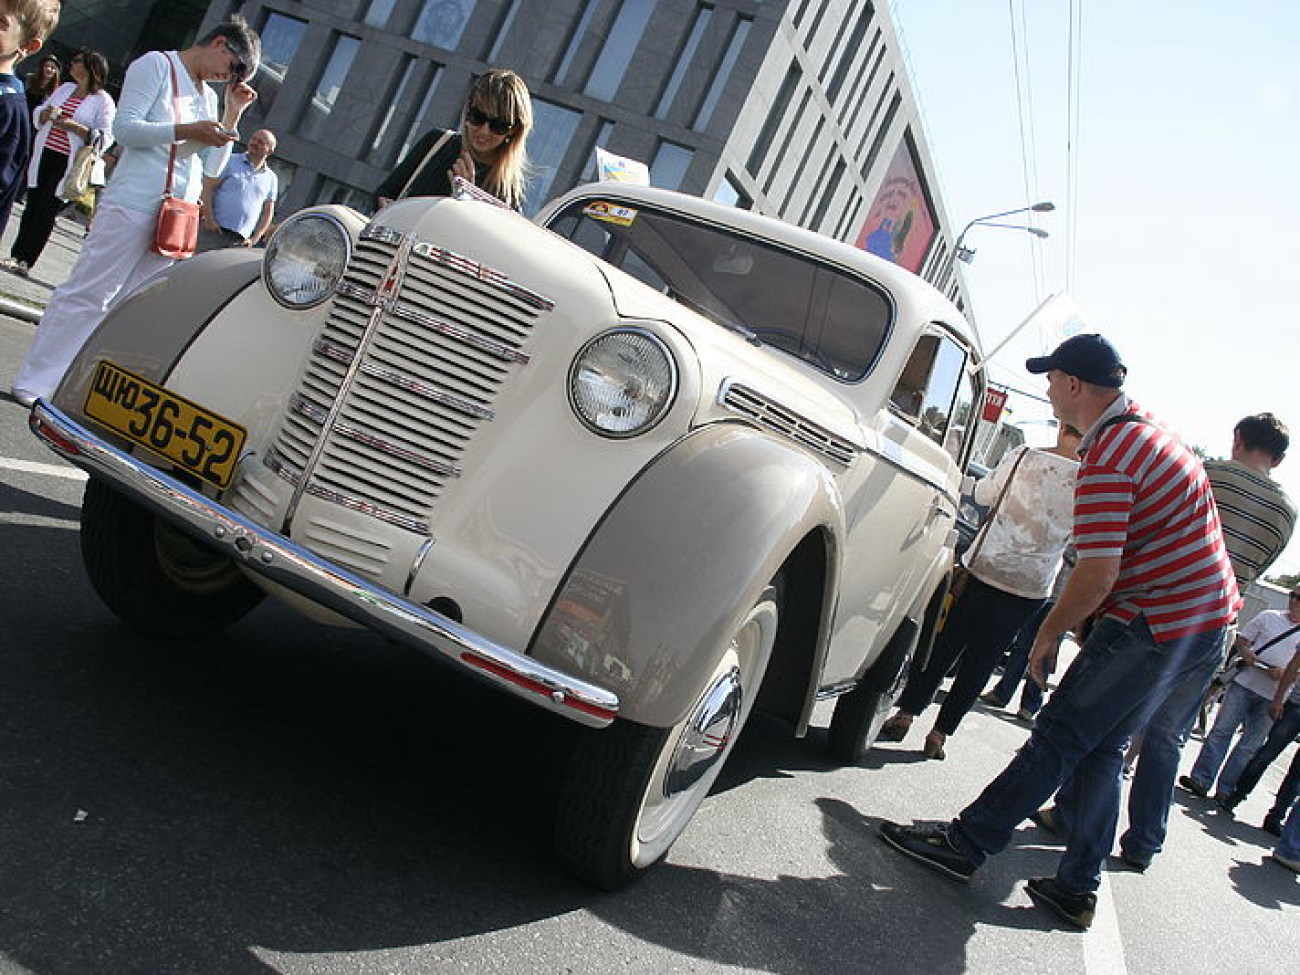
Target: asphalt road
(288,798)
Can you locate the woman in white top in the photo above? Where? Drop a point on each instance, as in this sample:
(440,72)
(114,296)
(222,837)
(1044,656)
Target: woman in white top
(71,116)
(116,257)
(1012,563)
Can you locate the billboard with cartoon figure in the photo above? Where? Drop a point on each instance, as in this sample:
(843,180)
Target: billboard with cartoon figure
(899,225)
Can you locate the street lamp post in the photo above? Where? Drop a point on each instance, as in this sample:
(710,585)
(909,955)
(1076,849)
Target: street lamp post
(958,251)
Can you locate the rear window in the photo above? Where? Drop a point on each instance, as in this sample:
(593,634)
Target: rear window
(824,315)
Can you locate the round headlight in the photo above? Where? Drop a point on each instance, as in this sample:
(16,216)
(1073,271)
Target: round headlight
(305,259)
(622,382)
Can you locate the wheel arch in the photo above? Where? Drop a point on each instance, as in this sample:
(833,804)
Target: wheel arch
(645,608)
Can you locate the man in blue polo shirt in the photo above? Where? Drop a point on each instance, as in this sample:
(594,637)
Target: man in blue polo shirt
(239,205)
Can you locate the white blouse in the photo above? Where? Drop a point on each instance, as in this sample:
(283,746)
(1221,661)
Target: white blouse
(1019,550)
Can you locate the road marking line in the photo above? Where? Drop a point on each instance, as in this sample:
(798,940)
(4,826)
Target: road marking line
(49,470)
(1103,948)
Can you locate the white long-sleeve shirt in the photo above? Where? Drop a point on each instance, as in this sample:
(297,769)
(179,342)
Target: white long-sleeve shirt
(146,127)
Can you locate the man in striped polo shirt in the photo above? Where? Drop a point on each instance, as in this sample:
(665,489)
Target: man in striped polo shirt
(1257,516)
(1257,519)
(1155,576)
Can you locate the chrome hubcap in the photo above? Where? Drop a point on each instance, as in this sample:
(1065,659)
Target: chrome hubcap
(704,739)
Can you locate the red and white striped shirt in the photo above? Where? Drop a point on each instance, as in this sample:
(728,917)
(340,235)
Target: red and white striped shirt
(1142,495)
(57,140)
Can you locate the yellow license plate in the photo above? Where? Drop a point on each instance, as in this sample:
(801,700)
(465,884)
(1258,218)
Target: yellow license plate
(195,438)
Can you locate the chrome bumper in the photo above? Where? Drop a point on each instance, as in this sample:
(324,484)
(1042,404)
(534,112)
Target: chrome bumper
(285,562)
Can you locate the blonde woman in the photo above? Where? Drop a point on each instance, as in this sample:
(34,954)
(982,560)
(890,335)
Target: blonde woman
(489,150)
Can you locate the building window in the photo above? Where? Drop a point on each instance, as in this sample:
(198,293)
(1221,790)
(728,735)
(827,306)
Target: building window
(419,125)
(281,37)
(723,74)
(332,191)
(378,12)
(503,31)
(396,98)
(624,36)
(553,131)
(687,54)
(850,51)
(668,168)
(328,86)
(775,116)
(730,194)
(575,40)
(442,22)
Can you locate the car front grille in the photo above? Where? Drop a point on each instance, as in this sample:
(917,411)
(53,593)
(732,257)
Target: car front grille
(419,342)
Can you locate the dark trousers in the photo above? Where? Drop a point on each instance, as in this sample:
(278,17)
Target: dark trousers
(980,625)
(42,207)
(1282,733)
(1287,791)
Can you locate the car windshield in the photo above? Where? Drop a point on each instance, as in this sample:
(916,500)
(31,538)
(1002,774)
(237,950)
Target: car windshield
(825,315)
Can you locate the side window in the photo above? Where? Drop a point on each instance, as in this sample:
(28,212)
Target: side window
(935,393)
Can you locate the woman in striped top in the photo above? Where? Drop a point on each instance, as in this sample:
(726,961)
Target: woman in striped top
(65,121)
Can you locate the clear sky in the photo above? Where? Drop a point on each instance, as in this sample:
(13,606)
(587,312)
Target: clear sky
(1185,199)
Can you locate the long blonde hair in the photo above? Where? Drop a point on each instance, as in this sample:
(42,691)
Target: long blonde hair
(502,94)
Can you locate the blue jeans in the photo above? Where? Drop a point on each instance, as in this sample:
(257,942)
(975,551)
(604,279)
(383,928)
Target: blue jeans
(1017,663)
(1288,844)
(980,625)
(1288,790)
(1240,708)
(1152,790)
(1282,733)
(1078,741)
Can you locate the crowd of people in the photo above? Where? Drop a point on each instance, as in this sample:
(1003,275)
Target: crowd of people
(1163,547)
(171,133)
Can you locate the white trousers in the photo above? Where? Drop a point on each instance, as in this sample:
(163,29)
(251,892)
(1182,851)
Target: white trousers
(115,259)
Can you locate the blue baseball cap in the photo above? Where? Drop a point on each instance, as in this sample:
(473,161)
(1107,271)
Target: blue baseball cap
(1088,357)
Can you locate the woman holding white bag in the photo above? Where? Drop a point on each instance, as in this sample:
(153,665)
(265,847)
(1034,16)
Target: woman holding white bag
(69,118)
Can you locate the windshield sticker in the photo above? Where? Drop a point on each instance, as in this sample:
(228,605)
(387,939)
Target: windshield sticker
(610,213)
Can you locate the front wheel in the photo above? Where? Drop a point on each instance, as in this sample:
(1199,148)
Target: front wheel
(630,789)
(155,577)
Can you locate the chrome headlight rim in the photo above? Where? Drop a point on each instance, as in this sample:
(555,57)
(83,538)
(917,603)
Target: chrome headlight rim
(272,249)
(652,419)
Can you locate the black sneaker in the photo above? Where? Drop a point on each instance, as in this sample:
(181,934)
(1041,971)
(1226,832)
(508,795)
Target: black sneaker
(930,844)
(1193,786)
(1076,909)
(1135,863)
(1272,824)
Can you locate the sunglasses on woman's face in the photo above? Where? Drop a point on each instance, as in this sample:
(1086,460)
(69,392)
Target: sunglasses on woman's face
(499,126)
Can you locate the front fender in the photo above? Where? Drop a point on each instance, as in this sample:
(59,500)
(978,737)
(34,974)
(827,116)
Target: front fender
(149,331)
(652,600)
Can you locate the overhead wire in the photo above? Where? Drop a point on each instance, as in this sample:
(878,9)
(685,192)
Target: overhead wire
(1074,61)
(1028,141)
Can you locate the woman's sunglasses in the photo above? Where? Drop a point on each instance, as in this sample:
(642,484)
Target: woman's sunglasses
(499,126)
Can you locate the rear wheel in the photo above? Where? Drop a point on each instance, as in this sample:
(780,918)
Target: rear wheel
(859,714)
(631,789)
(155,577)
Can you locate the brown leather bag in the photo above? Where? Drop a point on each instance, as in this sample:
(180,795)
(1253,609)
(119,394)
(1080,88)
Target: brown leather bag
(177,231)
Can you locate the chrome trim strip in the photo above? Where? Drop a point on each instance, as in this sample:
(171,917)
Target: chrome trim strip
(276,465)
(408,312)
(391,285)
(284,561)
(344,355)
(459,262)
(344,429)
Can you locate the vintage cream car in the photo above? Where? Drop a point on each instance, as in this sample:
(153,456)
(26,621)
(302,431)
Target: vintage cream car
(649,464)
